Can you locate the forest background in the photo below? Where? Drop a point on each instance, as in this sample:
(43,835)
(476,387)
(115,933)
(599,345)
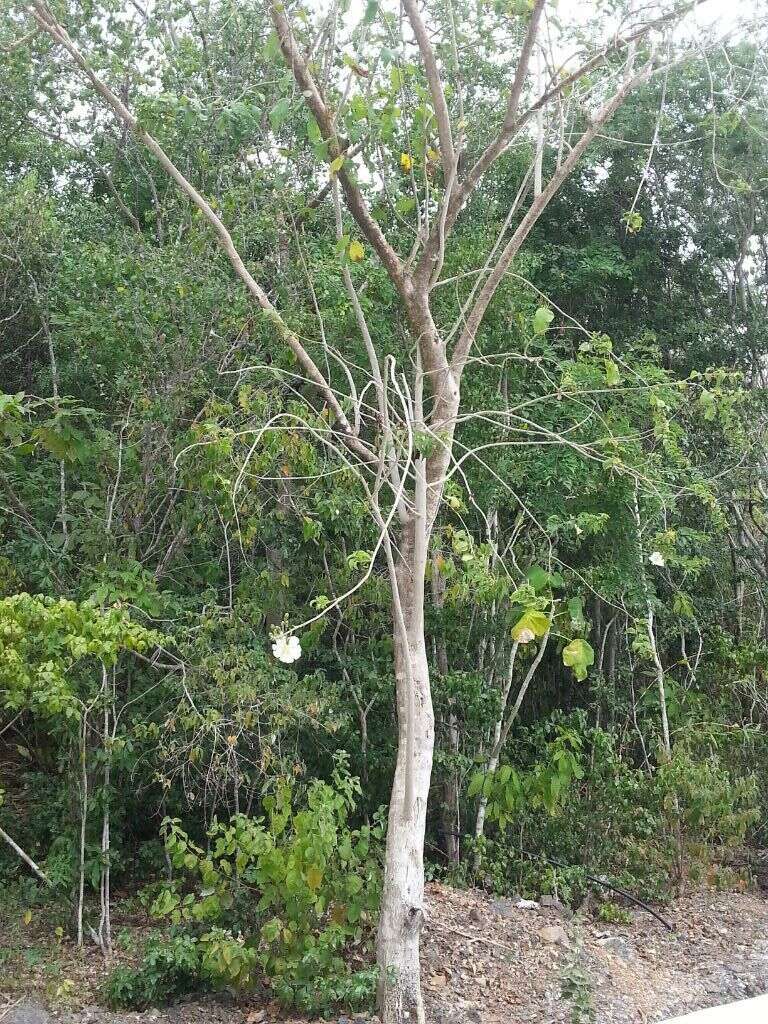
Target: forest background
(199,540)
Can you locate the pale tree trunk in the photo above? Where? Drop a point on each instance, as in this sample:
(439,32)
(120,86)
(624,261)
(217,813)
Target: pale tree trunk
(402,905)
(666,737)
(83,823)
(110,731)
(503,727)
(482,807)
(450,811)
(451,807)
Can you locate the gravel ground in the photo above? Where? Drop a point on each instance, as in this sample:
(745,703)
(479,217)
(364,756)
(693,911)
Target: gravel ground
(489,961)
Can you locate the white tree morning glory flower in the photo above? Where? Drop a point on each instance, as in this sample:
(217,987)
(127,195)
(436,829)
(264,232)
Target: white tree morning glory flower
(656,558)
(286,648)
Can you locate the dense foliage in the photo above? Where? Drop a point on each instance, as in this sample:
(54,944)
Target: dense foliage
(597,616)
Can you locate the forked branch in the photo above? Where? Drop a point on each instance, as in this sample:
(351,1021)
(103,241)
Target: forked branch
(336,148)
(537,207)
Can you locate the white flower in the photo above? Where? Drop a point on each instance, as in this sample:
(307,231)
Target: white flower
(656,558)
(286,648)
(525,636)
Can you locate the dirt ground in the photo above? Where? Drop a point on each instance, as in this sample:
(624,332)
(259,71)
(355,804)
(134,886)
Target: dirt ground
(490,962)
(485,961)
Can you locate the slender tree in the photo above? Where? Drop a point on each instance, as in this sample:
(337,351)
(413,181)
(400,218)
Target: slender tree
(393,424)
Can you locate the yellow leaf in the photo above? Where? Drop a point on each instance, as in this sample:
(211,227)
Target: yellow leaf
(356,252)
(406,162)
(27,917)
(339,913)
(314,877)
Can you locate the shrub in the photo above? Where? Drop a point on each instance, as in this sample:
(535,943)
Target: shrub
(613,913)
(579,785)
(293,895)
(170,968)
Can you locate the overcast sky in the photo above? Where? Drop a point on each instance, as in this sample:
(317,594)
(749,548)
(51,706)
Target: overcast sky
(724,14)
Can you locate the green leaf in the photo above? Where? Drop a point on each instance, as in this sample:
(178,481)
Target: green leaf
(579,655)
(542,318)
(708,403)
(405,204)
(359,559)
(310,529)
(683,605)
(633,221)
(475,784)
(576,612)
(359,108)
(279,113)
(272,48)
(271,930)
(538,577)
(612,375)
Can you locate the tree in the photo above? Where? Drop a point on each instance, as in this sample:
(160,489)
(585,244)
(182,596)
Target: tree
(404,131)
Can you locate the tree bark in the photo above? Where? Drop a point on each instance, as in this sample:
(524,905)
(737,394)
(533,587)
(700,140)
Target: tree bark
(451,805)
(402,905)
(450,811)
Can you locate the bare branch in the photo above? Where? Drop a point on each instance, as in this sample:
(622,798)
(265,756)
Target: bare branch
(435,84)
(513,123)
(510,124)
(336,148)
(25,857)
(47,21)
(467,336)
(615,46)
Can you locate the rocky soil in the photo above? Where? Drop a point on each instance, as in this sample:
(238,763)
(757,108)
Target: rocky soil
(497,961)
(491,961)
